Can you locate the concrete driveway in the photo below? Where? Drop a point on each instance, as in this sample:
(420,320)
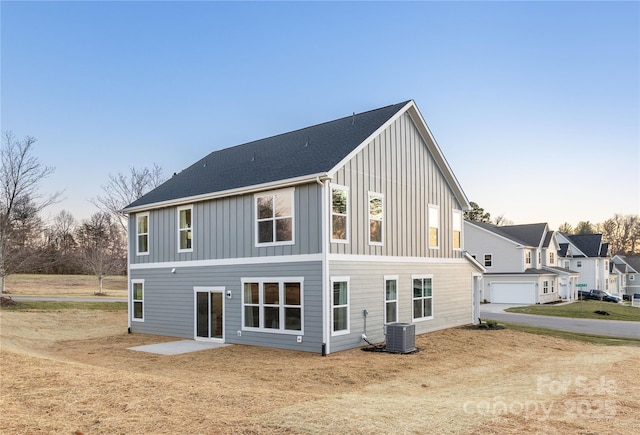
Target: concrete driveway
(609,328)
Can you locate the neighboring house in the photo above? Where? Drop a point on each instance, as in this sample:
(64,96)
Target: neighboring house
(629,271)
(306,240)
(521,263)
(587,254)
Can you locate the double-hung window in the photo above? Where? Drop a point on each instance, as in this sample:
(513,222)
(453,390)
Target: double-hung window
(422,297)
(545,286)
(185,229)
(457,229)
(376,217)
(434,226)
(137,296)
(527,257)
(488,260)
(390,299)
(273,304)
(274,218)
(142,239)
(339,214)
(340,305)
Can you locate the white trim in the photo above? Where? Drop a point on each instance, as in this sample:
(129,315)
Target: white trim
(384,297)
(137,281)
(138,216)
(274,185)
(229,261)
(347,215)
(394,259)
(214,289)
(325,247)
(281,304)
(423,318)
(178,210)
(371,195)
(273,193)
(277,259)
(484,260)
(346,279)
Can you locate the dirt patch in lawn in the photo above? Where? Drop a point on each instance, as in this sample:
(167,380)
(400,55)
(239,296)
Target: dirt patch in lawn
(71,370)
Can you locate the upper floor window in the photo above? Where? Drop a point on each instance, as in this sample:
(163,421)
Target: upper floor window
(488,260)
(339,214)
(274,218)
(185,229)
(457,229)
(434,226)
(375,218)
(142,228)
(632,277)
(579,263)
(552,258)
(527,257)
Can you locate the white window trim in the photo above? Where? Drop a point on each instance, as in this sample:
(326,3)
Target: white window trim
(187,207)
(484,260)
(384,296)
(421,319)
(456,217)
(437,211)
(369,197)
(138,216)
(281,306)
(137,281)
(347,220)
(293,217)
(209,290)
(333,280)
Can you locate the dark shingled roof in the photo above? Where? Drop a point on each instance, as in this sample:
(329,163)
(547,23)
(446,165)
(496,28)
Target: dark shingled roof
(526,235)
(590,244)
(308,151)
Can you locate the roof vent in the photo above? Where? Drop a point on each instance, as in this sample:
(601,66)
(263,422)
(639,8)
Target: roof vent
(401,337)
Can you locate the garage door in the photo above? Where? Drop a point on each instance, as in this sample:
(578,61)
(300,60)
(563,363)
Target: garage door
(513,293)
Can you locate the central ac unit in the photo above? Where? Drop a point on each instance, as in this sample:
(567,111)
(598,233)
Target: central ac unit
(401,337)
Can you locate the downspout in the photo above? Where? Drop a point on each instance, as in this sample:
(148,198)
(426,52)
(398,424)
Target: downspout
(129,275)
(326,296)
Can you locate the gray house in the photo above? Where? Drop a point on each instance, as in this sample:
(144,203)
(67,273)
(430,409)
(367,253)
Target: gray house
(306,240)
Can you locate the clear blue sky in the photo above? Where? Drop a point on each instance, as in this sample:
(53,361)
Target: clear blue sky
(536,105)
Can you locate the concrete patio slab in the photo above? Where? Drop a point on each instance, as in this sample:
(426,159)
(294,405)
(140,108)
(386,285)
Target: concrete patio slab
(178,347)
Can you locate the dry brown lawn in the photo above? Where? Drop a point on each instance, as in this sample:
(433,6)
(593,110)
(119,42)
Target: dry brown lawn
(71,371)
(64,285)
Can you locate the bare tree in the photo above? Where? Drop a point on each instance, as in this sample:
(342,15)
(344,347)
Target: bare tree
(122,189)
(566,228)
(584,227)
(621,232)
(20,177)
(502,221)
(61,243)
(101,248)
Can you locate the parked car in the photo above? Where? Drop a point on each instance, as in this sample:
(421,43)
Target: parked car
(599,295)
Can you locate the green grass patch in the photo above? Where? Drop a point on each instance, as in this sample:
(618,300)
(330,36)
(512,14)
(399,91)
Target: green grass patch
(58,306)
(583,310)
(586,338)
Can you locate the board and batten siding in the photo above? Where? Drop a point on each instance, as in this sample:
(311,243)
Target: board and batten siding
(169,301)
(225,228)
(397,164)
(452,296)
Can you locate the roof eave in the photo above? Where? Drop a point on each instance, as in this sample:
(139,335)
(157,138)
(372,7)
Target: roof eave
(230,192)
